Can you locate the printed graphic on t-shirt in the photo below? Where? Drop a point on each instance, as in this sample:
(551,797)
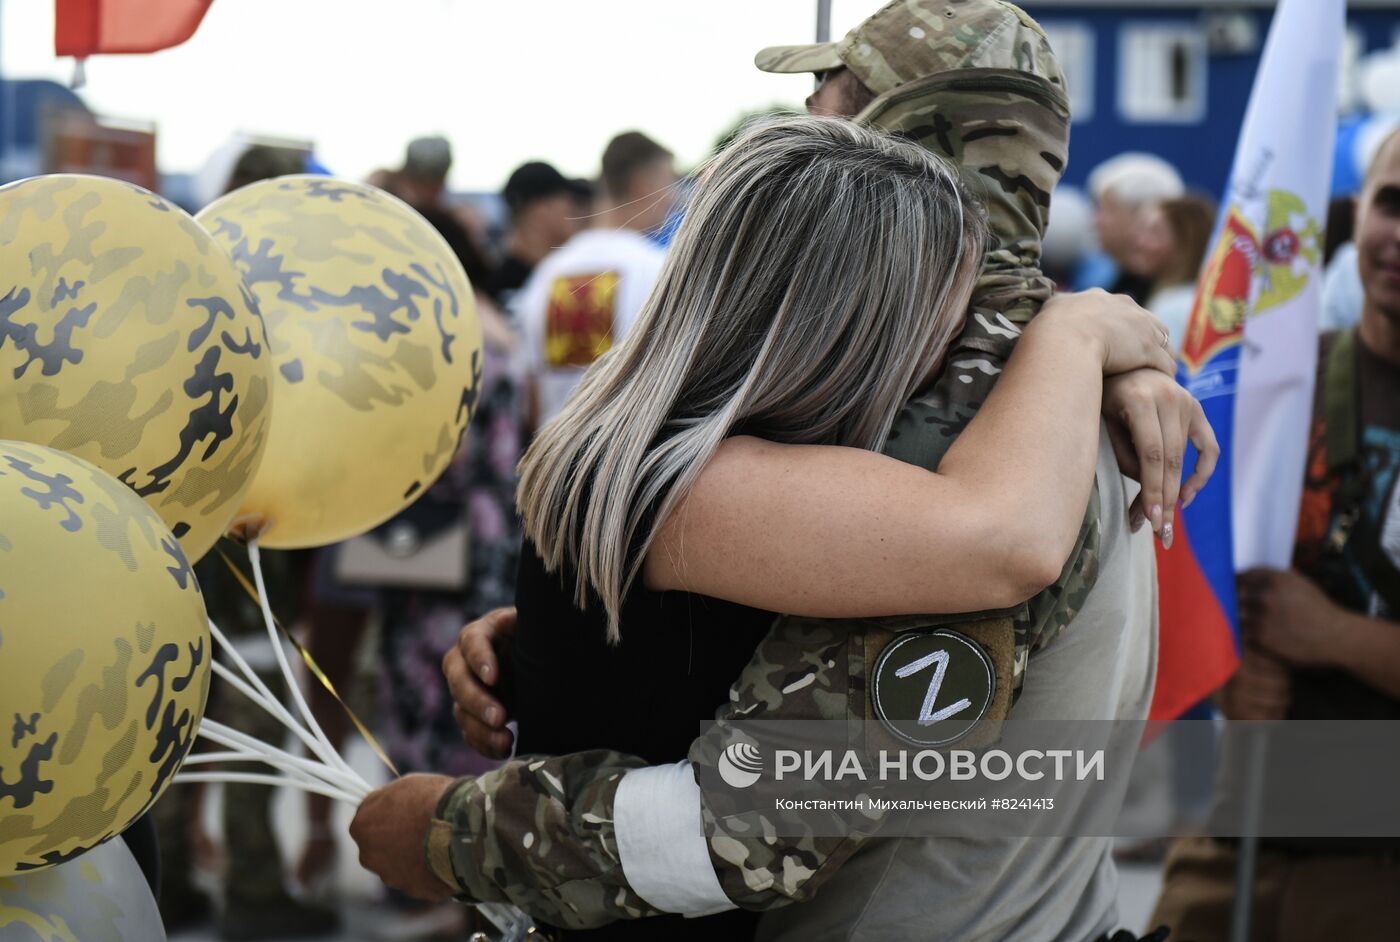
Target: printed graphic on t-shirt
(1380,451)
(579,318)
(1317,518)
(1387,495)
(1315,512)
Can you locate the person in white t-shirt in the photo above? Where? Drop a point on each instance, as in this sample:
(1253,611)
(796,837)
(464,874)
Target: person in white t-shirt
(582,298)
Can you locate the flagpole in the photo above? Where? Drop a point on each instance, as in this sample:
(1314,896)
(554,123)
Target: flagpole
(823,21)
(1248,850)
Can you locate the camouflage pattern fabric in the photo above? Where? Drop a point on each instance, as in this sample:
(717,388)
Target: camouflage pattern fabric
(104,657)
(995,105)
(128,339)
(946,36)
(372,328)
(538,833)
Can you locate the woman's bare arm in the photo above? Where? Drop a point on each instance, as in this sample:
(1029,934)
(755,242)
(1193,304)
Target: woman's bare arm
(841,532)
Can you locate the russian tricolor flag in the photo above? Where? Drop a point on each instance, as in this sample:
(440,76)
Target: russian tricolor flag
(1250,352)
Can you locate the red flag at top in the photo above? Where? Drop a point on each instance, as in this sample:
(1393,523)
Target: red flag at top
(93,27)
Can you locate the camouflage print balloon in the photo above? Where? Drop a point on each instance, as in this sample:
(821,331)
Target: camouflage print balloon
(377,347)
(128,339)
(104,654)
(101,897)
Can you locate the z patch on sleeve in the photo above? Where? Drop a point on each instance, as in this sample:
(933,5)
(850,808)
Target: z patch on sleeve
(933,688)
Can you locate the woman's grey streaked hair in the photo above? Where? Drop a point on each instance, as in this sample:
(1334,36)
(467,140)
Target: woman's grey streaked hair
(820,273)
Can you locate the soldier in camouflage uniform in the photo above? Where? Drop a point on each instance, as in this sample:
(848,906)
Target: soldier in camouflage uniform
(975,81)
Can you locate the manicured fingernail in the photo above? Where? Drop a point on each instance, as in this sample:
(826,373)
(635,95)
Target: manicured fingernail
(1136,520)
(1166,536)
(1187,495)
(485,671)
(1156,514)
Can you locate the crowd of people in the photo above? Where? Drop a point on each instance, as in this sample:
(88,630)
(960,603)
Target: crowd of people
(648,481)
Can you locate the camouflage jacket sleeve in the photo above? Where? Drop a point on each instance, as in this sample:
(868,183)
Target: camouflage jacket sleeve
(537,833)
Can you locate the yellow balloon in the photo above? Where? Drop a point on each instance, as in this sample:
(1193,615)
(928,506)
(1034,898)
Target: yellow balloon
(104,646)
(377,346)
(128,339)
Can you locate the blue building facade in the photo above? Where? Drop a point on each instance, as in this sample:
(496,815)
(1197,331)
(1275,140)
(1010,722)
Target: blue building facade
(24,104)
(1173,78)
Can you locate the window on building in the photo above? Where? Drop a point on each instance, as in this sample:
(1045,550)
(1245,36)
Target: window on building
(1348,77)
(1162,72)
(1074,47)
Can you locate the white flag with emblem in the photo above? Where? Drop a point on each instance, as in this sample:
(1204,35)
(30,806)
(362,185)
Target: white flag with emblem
(1281,179)
(1250,351)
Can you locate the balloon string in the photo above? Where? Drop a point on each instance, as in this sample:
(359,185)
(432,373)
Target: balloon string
(220,758)
(217,758)
(251,779)
(261,695)
(293,683)
(313,667)
(234,739)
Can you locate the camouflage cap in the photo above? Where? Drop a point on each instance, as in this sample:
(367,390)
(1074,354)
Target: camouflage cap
(911,39)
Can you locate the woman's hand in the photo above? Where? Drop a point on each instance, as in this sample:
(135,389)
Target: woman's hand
(1150,419)
(473,668)
(1126,336)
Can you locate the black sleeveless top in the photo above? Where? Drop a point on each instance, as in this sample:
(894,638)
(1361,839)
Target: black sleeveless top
(646,696)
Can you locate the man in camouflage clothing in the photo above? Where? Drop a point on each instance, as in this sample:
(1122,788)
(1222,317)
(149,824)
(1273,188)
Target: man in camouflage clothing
(976,82)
